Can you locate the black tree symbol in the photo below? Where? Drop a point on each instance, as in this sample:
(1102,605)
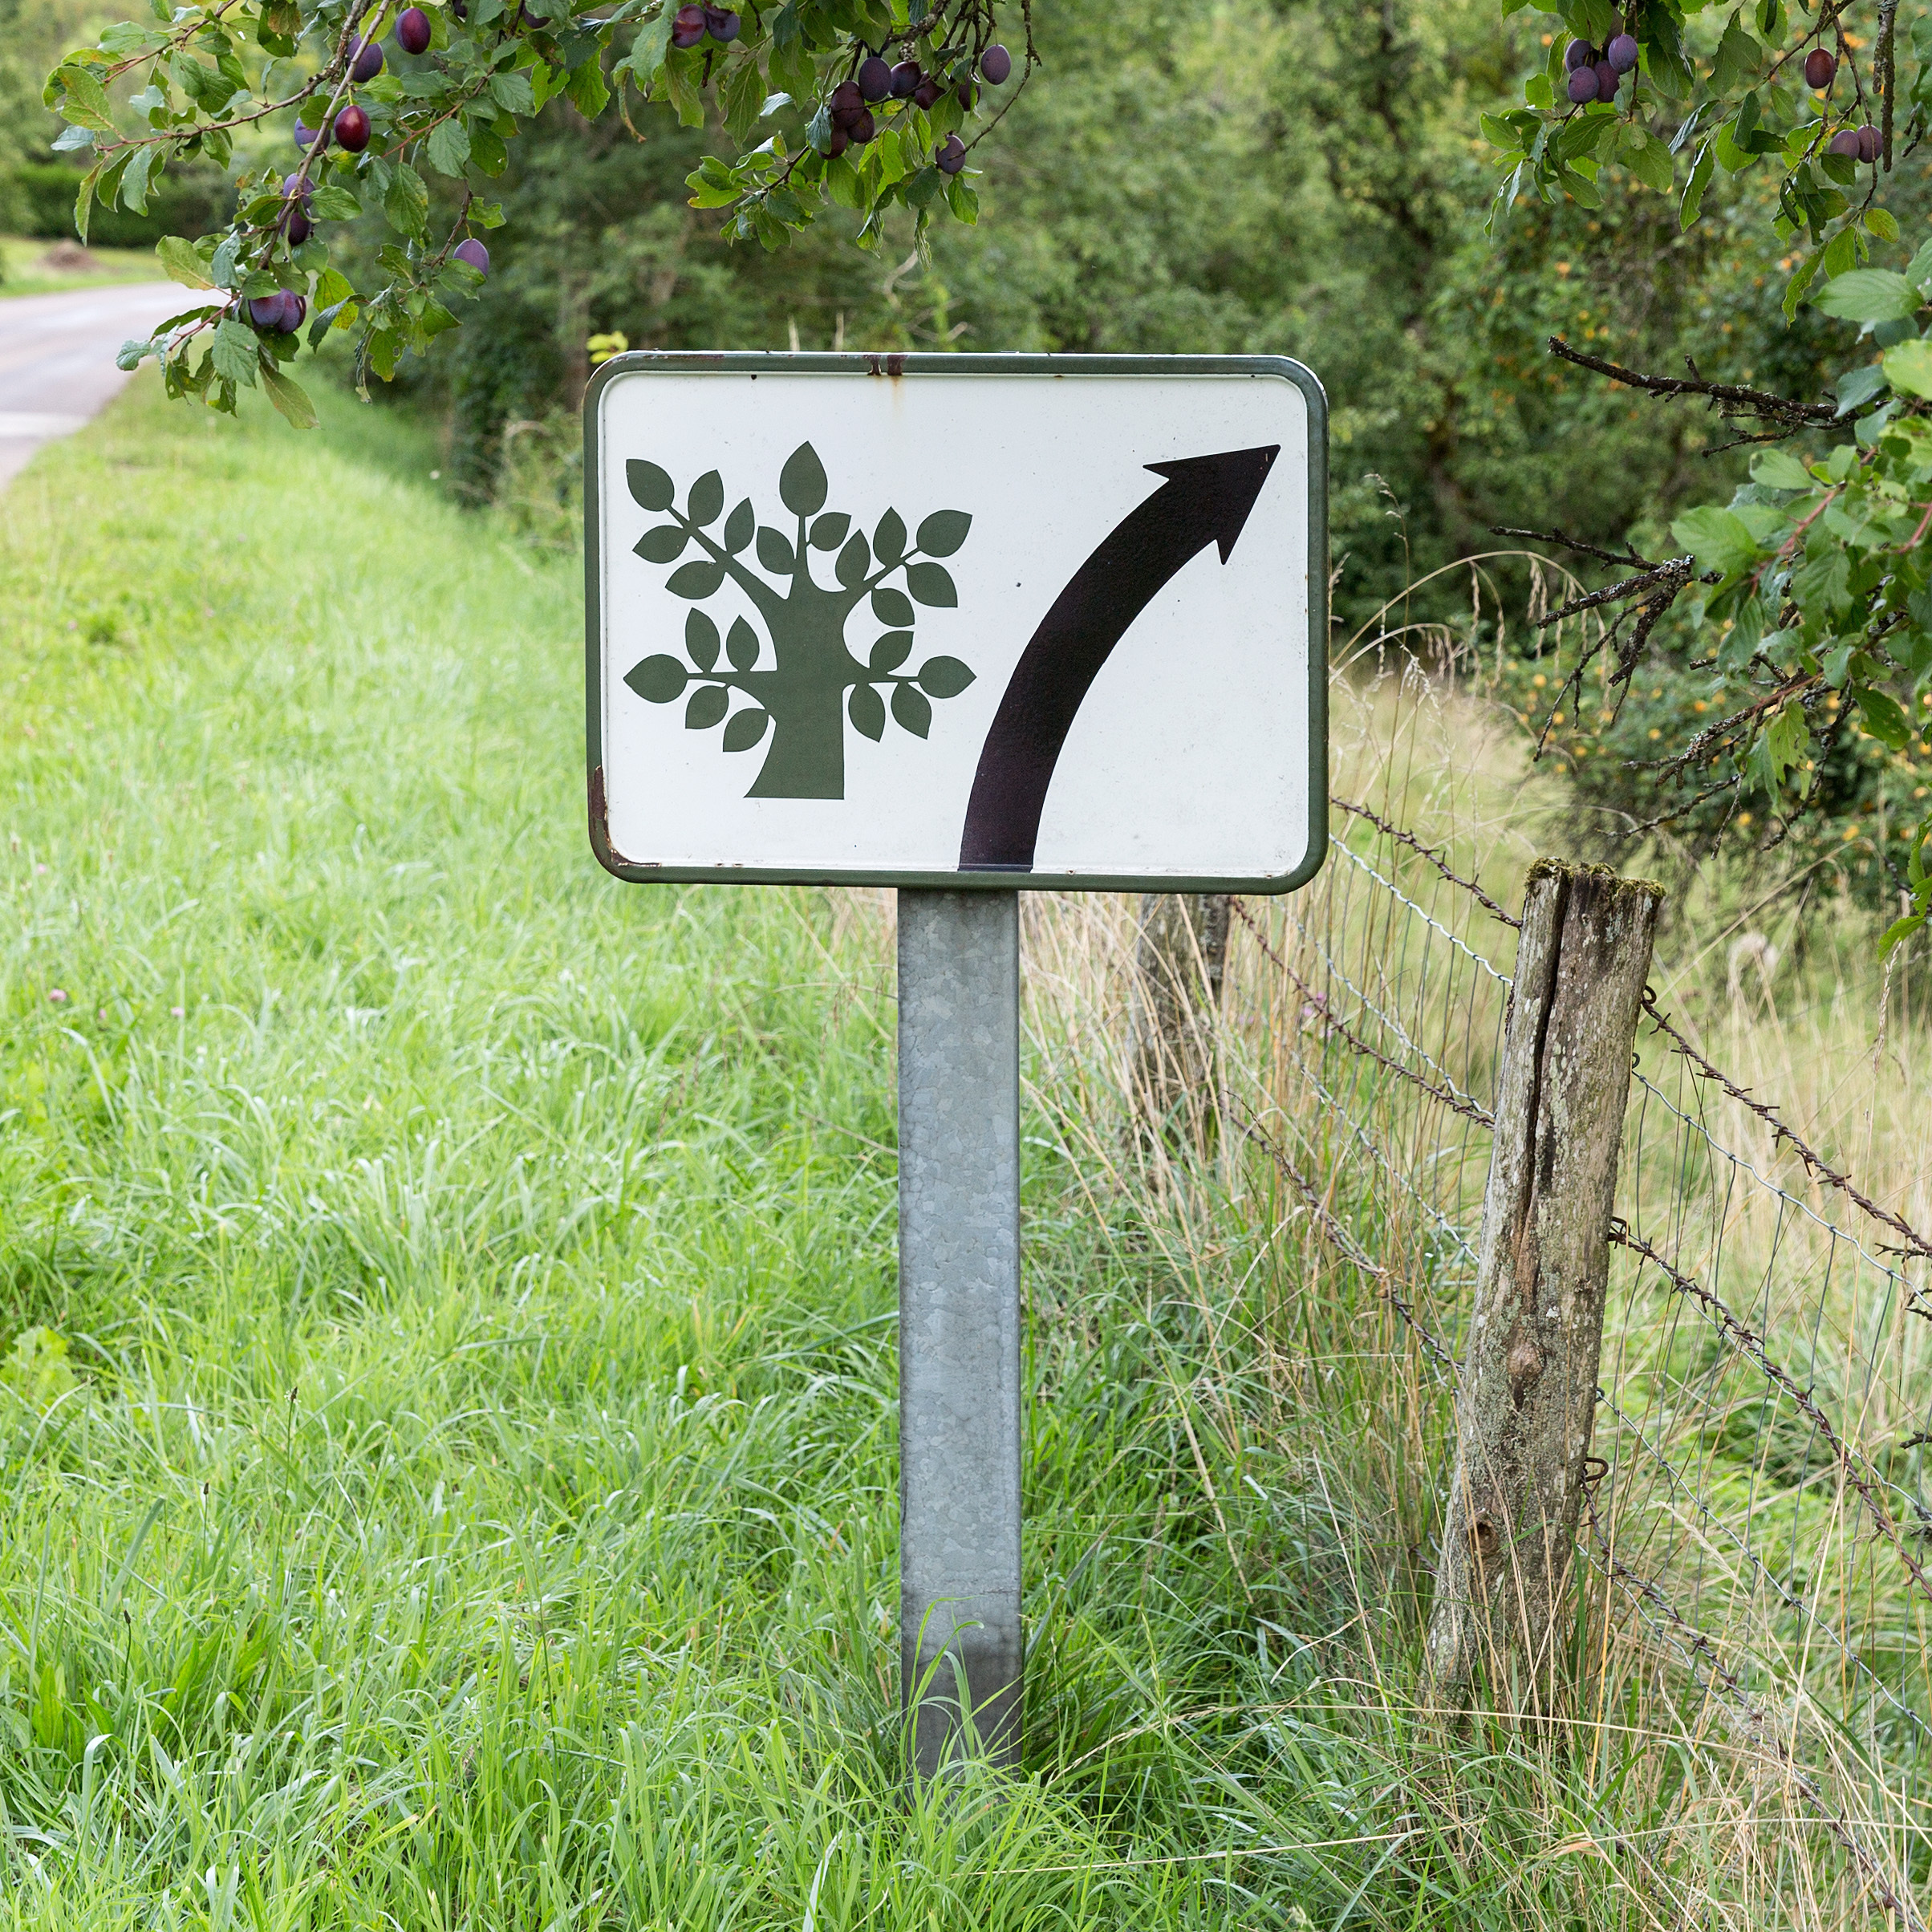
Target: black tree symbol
(799,691)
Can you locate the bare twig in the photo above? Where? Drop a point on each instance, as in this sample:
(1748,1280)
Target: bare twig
(1733,397)
(1626,558)
(1670,577)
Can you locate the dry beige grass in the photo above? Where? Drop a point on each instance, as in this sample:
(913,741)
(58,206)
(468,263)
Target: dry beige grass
(1751,1661)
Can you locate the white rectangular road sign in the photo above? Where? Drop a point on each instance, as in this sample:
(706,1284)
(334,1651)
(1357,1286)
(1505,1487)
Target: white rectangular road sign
(958,620)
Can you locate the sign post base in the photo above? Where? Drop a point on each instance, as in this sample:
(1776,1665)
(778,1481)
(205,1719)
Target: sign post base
(959,1305)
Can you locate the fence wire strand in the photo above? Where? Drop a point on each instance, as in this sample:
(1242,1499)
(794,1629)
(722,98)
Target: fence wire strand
(1762,1511)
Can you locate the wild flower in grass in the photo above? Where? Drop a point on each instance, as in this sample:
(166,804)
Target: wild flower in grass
(56,996)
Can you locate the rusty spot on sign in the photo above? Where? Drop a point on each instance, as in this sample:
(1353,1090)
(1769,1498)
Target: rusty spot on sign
(608,856)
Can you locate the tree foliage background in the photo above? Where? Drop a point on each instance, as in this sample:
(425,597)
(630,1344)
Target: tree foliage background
(1207,175)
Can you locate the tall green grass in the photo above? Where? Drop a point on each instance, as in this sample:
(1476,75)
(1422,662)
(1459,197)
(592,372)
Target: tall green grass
(467,1496)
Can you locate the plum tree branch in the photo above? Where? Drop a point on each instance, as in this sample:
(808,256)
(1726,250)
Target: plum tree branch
(1627,557)
(1672,576)
(1733,397)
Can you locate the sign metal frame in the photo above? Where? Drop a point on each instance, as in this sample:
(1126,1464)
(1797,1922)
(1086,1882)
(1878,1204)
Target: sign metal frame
(895,368)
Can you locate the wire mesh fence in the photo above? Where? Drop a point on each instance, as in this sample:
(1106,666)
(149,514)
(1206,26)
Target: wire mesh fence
(1758,1531)
(1758,1510)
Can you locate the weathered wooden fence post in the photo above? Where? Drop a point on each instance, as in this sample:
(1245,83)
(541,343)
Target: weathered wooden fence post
(1179,954)
(1528,1391)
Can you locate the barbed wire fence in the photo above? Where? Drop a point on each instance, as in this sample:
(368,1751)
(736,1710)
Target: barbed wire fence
(1766,1375)
(1756,1526)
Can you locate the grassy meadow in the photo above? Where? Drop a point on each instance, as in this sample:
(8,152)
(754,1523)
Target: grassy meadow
(26,269)
(448,1470)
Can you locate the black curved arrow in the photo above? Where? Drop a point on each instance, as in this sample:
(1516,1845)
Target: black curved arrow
(1205,500)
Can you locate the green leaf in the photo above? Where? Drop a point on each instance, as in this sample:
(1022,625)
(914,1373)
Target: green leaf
(942,534)
(706,502)
(1884,719)
(649,485)
(658,680)
(511,89)
(1821,585)
(1869,294)
(931,583)
(701,639)
(589,92)
(487,150)
(1901,929)
(742,646)
(1780,470)
(1648,159)
(407,204)
(35,1369)
(1908,367)
(1738,57)
(134,181)
(944,677)
(665,544)
(1692,202)
(288,396)
(891,650)
(1879,222)
(181,263)
(1801,279)
(1860,386)
(707,707)
(741,94)
(1715,537)
(775,551)
(681,70)
(1919,269)
(893,607)
(828,532)
(85,103)
(841,183)
(83,200)
(911,710)
(867,710)
(1780,745)
(740,527)
(801,483)
(653,42)
(854,562)
(1840,253)
(889,539)
(448,147)
(334,204)
(746,729)
(695,580)
(234,351)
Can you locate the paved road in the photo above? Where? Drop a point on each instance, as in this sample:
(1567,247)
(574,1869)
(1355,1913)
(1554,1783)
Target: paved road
(57,359)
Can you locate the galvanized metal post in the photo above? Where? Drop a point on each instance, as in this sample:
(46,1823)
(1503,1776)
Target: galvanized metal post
(959,1311)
